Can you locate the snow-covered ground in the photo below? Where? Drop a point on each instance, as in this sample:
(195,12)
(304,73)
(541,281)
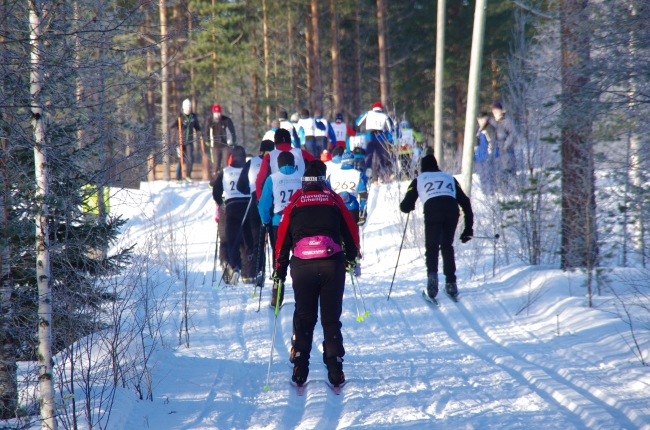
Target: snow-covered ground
(474,364)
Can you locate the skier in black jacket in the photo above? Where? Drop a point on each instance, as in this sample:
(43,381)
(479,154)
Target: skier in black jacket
(441,195)
(236,205)
(189,124)
(217,128)
(323,238)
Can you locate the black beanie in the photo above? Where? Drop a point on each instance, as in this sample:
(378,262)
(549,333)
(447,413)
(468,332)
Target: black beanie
(282,136)
(304,113)
(285,158)
(319,166)
(283,114)
(238,156)
(338,150)
(267,146)
(429,164)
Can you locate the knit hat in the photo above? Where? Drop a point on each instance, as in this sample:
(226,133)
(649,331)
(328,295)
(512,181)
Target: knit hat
(497,105)
(286,158)
(267,146)
(429,164)
(377,106)
(337,151)
(315,172)
(325,156)
(347,158)
(238,156)
(339,117)
(295,117)
(216,108)
(283,114)
(282,136)
(304,113)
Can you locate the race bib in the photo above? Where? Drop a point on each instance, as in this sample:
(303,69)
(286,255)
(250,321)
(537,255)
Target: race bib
(284,186)
(346,181)
(435,184)
(230,178)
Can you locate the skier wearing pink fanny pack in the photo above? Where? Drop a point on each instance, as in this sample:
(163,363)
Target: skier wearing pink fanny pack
(324,239)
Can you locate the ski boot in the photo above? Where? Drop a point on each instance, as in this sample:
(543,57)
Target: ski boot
(292,354)
(188,180)
(452,289)
(300,369)
(234,276)
(274,294)
(432,285)
(335,371)
(225,270)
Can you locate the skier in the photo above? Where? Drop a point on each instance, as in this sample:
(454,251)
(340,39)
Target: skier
(485,153)
(189,122)
(275,125)
(314,228)
(246,185)
(270,162)
(357,144)
(407,139)
(441,195)
(290,127)
(276,193)
(379,134)
(218,128)
(335,162)
(342,131)
(236,205)
(324,134)
(350,184)
(306,131)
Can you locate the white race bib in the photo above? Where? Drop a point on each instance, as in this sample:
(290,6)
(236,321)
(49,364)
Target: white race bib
(256,163)
(307,125)
(358,141)
(230,178)
(284,186)
(321,133)
(376,121)
(297,156)
(435,184)
(407,137)
(340,130)
(345,180)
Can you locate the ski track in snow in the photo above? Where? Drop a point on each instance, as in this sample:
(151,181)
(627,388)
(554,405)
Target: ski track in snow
(472,364)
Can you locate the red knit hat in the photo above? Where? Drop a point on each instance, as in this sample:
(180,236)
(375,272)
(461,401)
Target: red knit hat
(377,106)
(216,108)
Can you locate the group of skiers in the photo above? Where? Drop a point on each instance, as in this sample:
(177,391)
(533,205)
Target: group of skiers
(311,210)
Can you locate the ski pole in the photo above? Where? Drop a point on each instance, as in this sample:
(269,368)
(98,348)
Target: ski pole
(241,227)
(398,254)
(365,311)
(258,259)
(216,252)
(356,303)
(275,325)
(495,237)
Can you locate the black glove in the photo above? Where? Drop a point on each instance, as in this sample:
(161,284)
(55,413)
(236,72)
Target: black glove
(279,275)
(350,264)
(466,235)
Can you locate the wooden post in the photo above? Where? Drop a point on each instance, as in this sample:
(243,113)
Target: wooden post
(180,144)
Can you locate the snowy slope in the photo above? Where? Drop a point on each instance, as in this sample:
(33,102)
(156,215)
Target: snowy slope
(474,364)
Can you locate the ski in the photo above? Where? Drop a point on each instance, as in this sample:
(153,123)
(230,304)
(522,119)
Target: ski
(429,300)
(453,298)
(300,389)
(273,306)
(336,389)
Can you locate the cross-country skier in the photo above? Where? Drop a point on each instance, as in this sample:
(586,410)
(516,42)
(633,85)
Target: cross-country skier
(342,131)
(379,134)
(319,231)
(270,162)
(351,185)
(307,133)
(276,193)
(221,137)
(246,185)
(324,134)
(335,162)
(189,124)
(289,126)
(236,205)
(441,195)
(275,125)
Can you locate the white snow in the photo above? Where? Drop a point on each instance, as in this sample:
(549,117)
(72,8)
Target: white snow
(474,364)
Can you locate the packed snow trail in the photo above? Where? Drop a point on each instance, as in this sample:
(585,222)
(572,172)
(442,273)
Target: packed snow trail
(471,364)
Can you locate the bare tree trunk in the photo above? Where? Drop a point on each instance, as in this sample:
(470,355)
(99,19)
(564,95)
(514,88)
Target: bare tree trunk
(309,59)
(383,55)
(317,94)
(578,200)
(151,106)
(79,90)
(337,79)
(292,65)
(164,78)
(8,366)
(358,100)
(256,105)
(267,88)
(214,58)
(439,85)
(242,106)
(45,362)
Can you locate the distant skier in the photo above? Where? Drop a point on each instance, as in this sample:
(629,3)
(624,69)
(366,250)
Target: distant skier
(189,122)
(307,133)
(379,134)
(351,185)
(314,228)
(324,134)
(276,193)
(290,127)
(220,137)
(335,162)
(246,185)
(275,125)
(441,195)
(342,131)
(236,205)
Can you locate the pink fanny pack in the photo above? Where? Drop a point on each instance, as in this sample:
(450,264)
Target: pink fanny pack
(316,247)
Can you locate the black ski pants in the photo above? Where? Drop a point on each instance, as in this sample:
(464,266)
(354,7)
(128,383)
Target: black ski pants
(188,160)
(235,232)
(439,238)
(223,241)
(314,279)
(256,225)
(221,153)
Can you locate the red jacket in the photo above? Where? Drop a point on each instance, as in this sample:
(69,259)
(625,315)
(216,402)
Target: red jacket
(265,168)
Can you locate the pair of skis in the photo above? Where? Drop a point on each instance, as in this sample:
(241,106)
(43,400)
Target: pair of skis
(300,389)
(435,302)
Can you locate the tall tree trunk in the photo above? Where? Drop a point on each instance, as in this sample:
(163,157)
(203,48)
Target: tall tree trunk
(8,366)
(267,88)
(214,57)
(439,85)
(337,79)
(45,362)
(383,54)
(295,96)
(309,59)
(578,198)
(242,106)
(79,84)
(164,81)
(317,84)
(150,106)
(358,100)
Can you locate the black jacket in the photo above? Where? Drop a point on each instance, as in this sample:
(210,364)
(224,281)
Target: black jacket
(188,122)
(219,128)
(440,208)
(217,189)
